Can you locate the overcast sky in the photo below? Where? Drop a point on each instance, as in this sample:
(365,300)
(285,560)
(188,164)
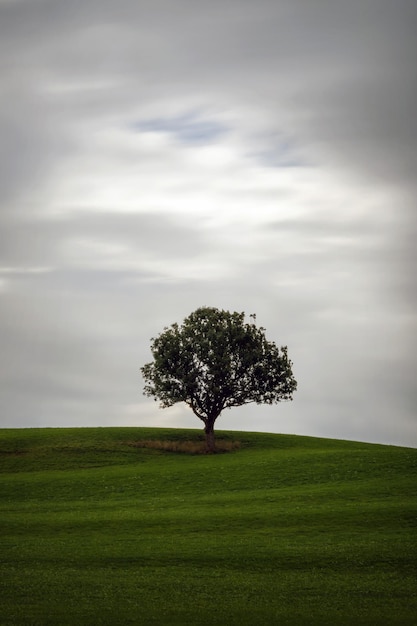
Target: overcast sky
(161,155)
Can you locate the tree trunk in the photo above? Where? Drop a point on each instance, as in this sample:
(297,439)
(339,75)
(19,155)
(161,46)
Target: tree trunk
(210,441)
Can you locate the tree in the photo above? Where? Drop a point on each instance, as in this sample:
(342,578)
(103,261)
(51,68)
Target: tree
(213,361)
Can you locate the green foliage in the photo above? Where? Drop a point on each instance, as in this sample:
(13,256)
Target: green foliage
(215,361)
(285,530)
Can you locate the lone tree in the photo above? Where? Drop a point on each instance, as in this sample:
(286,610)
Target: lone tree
(213,361)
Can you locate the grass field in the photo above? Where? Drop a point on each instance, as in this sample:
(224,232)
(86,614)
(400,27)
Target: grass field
(282,530)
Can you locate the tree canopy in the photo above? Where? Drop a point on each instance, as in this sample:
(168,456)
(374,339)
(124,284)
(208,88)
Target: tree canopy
(216,360)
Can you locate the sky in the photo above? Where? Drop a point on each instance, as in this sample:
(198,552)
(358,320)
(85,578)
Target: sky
(161,155)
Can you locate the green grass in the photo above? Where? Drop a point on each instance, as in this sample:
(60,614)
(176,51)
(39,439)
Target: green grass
(283,530)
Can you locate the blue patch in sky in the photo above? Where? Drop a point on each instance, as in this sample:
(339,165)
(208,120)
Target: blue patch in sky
(281,152)
(273,158)
(188,128)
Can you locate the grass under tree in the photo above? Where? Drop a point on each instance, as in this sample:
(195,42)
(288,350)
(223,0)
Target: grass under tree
(100,527)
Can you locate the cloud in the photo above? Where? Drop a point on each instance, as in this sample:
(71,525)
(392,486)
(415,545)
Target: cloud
(251,157)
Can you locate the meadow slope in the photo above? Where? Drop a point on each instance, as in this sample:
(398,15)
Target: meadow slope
(284,530)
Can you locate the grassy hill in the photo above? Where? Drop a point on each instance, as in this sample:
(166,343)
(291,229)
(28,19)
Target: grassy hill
(282,530)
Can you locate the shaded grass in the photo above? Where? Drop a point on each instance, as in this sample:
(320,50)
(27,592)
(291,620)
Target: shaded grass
(185,447)
(289,530)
